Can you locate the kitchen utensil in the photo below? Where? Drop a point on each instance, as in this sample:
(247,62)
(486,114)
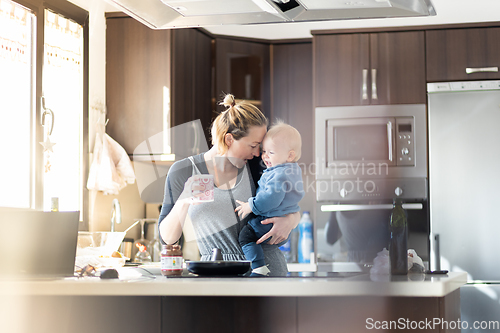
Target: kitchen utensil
(98,243)
(218,268)
(126,247)
(216,254)
(133,225)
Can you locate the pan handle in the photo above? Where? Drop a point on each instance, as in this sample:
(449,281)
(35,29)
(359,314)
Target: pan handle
(216,254)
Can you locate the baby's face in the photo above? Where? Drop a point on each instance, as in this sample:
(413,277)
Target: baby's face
(275,152)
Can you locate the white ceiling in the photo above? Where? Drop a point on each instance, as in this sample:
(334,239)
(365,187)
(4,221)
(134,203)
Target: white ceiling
(448,11)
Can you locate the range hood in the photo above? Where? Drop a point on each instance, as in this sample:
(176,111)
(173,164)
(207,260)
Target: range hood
(167,14)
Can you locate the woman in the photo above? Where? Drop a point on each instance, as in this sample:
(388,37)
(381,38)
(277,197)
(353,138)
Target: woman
(236,137)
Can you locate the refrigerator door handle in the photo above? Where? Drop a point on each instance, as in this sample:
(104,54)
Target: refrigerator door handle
(347,207)
(437,256)
(389,138)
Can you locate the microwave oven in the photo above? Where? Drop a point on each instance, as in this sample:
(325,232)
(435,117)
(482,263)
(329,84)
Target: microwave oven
(373,152)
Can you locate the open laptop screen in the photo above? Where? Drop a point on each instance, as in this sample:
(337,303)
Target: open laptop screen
(38,244)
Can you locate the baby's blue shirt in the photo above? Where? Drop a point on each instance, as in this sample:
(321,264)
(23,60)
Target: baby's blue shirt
(279,192)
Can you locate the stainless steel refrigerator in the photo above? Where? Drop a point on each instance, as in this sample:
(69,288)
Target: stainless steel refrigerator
(464,192)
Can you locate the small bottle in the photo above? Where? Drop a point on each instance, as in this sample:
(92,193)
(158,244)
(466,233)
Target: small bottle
(54,204)
(398,246)
(286,250)
(305,247)
(171,260)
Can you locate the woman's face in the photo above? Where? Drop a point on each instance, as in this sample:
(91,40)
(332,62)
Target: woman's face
(246,148)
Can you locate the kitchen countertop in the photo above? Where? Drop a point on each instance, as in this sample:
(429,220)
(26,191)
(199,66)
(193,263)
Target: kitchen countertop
(133,284)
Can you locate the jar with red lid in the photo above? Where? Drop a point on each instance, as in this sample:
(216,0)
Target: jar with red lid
(171,260)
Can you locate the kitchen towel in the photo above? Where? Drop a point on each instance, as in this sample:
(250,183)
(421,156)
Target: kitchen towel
(111,168)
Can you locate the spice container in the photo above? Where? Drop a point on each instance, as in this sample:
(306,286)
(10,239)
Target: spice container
(171,260)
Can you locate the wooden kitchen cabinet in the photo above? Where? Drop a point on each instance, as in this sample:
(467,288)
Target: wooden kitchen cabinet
(369,68)
(450,52)
(192,78)
(147,69)
(242,69)
(137,68)
(292,91)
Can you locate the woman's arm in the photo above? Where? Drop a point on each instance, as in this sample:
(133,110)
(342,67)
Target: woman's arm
(281,228)
(176,202)
(171,226)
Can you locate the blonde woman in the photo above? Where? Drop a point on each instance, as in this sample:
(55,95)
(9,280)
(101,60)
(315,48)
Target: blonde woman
(237,134)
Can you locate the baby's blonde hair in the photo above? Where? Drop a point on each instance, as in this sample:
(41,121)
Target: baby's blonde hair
(237,120)
(289,136)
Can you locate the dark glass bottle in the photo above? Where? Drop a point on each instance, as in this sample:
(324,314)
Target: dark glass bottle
(398,246)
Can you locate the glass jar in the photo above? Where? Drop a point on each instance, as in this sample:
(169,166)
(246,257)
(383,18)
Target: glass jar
(171,260)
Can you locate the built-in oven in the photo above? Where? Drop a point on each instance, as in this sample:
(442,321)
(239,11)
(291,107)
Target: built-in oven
(374,152)
(365,157)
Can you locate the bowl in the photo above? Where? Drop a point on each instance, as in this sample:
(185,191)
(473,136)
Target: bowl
(98,243)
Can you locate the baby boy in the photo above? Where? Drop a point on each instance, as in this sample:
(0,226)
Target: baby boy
(280,189)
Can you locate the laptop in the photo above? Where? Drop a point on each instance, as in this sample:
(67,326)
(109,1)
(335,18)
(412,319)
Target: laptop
(37,244)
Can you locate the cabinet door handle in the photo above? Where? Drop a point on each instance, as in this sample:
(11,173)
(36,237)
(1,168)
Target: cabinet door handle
(364,89)
(374,84)
(481,69)
(389,138)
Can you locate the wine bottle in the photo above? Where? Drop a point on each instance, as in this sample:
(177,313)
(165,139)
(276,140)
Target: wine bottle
(398,246)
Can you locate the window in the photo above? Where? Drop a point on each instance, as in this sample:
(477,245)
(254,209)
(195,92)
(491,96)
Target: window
(42,138)
(62,95)
(16,111)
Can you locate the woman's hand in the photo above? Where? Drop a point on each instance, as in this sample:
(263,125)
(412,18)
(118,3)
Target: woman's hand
(281,228)
(243,209)
(189,192)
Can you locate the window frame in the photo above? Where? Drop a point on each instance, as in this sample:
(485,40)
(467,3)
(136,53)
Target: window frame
(81,17)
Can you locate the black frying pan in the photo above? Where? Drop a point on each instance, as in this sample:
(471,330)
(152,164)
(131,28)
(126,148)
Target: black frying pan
(218,267)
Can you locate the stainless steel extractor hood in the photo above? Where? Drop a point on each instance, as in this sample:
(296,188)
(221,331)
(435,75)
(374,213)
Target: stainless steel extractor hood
(166,14)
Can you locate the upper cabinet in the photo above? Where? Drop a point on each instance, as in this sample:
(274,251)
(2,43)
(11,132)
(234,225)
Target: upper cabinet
(292,91)
(192,64)
(375,68)
(463,54)
(155,79)
(137,77)
(243,69)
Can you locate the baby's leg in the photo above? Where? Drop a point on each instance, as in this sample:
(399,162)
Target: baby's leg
(253,252)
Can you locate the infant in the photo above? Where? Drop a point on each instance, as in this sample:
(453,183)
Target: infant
(280,189)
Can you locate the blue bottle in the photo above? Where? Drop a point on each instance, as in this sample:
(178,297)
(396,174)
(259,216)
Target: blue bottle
(287,251)
(305,238)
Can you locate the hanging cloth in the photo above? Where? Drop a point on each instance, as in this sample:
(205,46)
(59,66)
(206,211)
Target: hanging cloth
(111,168)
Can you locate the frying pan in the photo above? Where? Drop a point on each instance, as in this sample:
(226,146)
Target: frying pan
(218,266)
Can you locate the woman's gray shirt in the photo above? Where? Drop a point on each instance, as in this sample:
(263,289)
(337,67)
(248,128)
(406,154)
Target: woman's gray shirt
(216,225)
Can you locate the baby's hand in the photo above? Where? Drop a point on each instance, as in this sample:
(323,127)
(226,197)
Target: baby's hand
(243,210)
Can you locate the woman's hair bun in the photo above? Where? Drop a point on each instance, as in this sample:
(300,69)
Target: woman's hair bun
(229,101)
